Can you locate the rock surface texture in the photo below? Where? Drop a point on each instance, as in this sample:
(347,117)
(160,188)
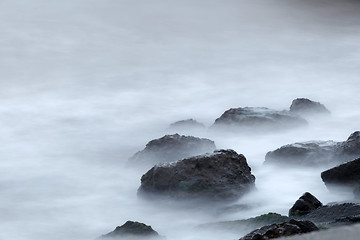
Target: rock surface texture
(347,175)
(305,106)
(316,153)
(304,205)
(131,231)
(223,175)
(281,230)
(171,148)
(258,119)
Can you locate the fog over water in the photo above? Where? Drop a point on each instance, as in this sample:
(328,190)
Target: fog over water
(86,84)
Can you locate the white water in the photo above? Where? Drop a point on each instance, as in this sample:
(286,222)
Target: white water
(85,84)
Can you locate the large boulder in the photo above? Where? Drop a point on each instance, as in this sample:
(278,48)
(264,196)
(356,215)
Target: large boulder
(223,175)
(347,175)
(304,205)
(171,148)
(132,231)
(303,106)
(289,228)
(316,153)
(258,119)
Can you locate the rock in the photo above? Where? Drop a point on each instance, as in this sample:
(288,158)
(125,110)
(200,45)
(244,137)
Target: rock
(305,204)
(316,153)
(245,225)
(223,175)
(131,231)
(333,214)
(305,106)
(289,228)
(187,124)
(171,148)
(347,175)
(258,119)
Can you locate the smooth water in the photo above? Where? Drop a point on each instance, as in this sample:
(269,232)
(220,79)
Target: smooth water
(86,84)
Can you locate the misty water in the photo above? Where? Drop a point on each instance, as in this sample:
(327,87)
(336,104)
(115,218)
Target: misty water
(86,84)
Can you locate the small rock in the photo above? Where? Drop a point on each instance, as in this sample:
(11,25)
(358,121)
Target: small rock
(171,148)
(258,119)
(306,106)
(187,124)
(131,231)
(305,204)
(289,228)
(223,175)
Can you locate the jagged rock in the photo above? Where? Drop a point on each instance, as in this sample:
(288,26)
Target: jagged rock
(333,214)
(347,175)
(306,106)
(171,148)
(258,119)
(223,175)
(245,225)
(187,124)
(305,204)
(316,153)
(281,230)
(131,231)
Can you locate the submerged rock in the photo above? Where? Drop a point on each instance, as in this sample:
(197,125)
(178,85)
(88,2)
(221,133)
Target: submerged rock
(223,175)
(171,148)
(258,118)
(289,228)
(347,175)
(304,205)
(316,153)
(187,124)
(245,225)
(131,231)
(334,214)
(306,106)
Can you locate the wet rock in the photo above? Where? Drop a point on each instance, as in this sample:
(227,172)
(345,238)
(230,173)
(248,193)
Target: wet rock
(187,124)
(316,153)
(131,231)
(289,228)
(258,119)
(305,106)
(347,175)
(223,175)
(304,205)
(171,148)
(245,225)
(333,214)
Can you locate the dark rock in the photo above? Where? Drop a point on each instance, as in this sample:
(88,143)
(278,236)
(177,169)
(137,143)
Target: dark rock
(223,175)
(347,175)
(305,204)
(171,148)
(245,225)
(258,119)
(289,228)
(187,124)
(306,106)
(132,230)
(316,153)
(331,215)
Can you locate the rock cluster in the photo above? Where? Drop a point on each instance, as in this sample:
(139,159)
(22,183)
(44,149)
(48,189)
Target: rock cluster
(306,106)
